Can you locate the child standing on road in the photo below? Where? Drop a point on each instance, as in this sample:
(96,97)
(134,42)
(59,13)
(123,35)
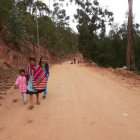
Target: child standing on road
(21,83)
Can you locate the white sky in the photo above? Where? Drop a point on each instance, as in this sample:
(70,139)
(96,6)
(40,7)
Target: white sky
(118,7)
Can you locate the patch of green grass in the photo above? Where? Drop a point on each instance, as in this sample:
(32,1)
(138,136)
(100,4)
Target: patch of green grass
(137,72)
(90,61)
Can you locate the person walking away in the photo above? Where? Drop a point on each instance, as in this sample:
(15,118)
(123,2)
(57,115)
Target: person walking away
(78,61)
(33,69)
(21,83)
(45,67)
(74,60)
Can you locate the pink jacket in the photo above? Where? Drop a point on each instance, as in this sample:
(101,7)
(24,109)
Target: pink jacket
(21,83)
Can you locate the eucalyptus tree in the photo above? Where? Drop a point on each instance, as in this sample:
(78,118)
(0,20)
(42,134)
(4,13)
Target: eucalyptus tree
(5,10)
(92,20)
(16,26)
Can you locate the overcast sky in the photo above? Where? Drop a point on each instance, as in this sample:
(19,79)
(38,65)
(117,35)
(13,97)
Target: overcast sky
(118,7)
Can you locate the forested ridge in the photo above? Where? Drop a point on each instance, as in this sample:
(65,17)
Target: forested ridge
(106,48)
(18,24)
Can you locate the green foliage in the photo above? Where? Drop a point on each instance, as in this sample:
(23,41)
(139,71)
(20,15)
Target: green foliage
(16,26)
(95,44)
(92,20)
(137,72)
(19,18)
(133,68)
(5,6)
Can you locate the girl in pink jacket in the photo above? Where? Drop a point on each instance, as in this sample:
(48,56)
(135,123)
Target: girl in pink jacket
(21,83)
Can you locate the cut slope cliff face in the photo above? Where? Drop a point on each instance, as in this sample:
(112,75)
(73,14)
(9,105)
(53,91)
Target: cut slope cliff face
(11,60)
(11,57)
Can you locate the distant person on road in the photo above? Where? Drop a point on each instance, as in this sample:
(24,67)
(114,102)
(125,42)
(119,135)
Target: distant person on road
(45,67)
(74,60)
(32,70)
(21,83)
(78,61)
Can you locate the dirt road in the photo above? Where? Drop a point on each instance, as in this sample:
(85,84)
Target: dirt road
(83,103)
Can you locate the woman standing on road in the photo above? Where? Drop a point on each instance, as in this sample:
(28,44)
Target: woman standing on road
(45,68)
(32,70)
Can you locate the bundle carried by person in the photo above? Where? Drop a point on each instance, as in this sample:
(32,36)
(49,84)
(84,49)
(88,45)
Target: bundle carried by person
(39,80)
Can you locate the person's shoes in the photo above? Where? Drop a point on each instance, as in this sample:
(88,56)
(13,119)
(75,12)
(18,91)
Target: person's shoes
(30,107)
(44,97)
(38,103)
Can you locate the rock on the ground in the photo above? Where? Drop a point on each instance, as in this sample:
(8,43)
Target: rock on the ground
(15,100)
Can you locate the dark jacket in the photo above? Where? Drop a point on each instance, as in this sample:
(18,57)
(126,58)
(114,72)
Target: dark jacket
(46,68)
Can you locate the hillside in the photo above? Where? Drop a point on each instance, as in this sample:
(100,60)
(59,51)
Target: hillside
(12,59)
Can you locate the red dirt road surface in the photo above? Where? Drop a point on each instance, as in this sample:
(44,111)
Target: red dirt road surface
(83,103)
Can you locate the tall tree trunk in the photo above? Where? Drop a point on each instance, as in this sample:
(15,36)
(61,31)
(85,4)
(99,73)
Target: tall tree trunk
(130,49)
